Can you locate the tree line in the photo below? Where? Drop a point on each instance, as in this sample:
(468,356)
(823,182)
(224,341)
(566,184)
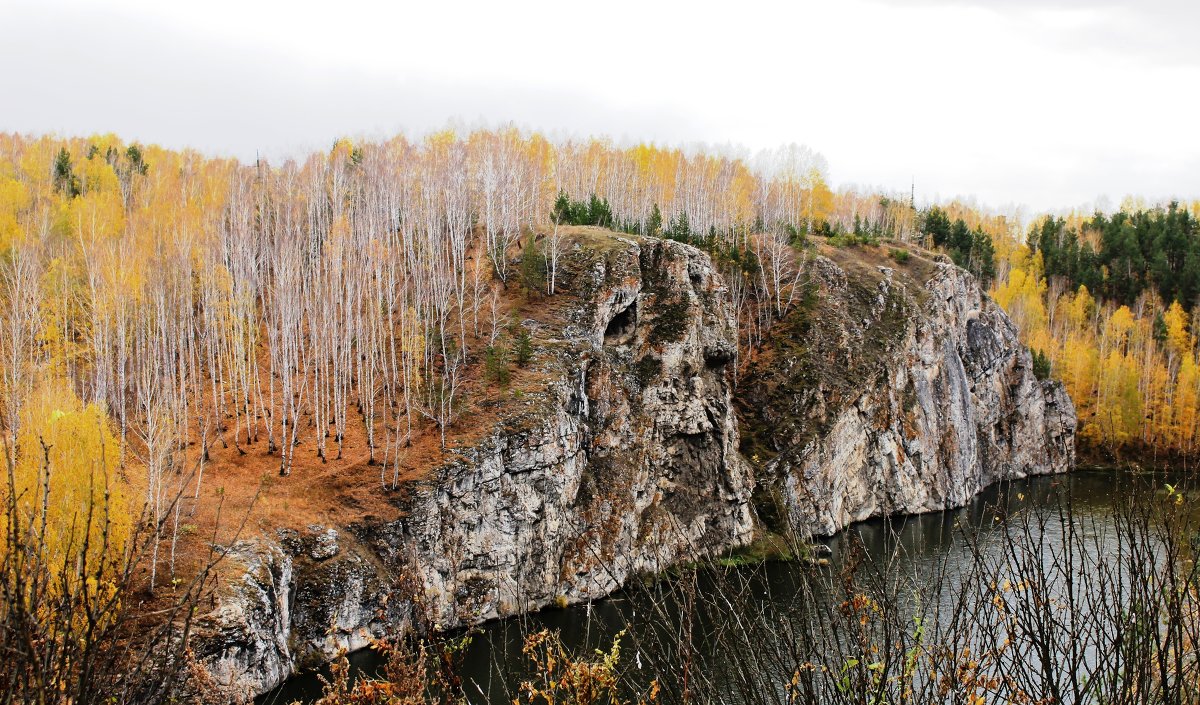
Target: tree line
(1109,304)
(1122,256)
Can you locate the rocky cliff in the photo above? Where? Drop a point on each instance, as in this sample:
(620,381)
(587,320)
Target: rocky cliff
(624,462)
(885,390)
(894,389)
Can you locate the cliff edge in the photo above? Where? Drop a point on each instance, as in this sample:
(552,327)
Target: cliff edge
(888,388)
(622,460)
(894,389)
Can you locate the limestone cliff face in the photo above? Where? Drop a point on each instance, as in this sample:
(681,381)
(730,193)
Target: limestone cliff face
(625,462)
(895,389)
(243,645)
(297,599)
(888,388)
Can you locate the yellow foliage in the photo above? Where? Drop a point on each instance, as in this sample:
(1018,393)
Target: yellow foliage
(1081,309)
(1186,405)
(1022,296)
(342,149)
(96,215)
(62,314)
(37,164)
(820,197)
(97,176)
(1118,404)
(1179,340)
(66,461)
(1128,389)
(1119,325)
(441,142)
(14,198)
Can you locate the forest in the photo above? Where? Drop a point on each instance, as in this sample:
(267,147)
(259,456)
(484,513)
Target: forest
(189,300)
(167,316)
(158,305)
(1108,303)
(1111,303)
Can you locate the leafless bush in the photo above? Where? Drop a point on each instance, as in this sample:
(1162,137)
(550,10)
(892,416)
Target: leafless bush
(76,622)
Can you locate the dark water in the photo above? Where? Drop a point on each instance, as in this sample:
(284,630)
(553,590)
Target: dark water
(917,548)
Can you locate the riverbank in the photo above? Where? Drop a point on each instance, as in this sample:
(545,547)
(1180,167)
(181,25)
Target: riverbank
(1135,459)
(916,552)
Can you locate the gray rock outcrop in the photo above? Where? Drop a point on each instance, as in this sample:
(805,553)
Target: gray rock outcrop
(887,389)
(625,462)
(896,392)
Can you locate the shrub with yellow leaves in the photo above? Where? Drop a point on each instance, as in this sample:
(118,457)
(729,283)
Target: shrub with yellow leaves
(65,486)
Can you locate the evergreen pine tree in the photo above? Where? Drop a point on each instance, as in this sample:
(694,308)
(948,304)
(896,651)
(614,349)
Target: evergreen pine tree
(654,224)
(495,364)
(64,176)
(533,266)
(523,348)
(679,229)
(562,209)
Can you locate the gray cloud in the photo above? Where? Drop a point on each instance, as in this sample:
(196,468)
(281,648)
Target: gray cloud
(98,72)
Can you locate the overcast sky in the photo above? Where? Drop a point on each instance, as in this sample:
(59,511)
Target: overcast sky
(1048,104)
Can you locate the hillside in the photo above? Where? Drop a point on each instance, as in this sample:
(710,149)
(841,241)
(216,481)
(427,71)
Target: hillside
(422,385)
(616,453)
(613,455)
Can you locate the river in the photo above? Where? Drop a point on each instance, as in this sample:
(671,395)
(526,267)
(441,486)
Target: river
(765,600)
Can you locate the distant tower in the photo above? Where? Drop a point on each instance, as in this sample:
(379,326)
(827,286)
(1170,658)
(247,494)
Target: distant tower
(912,198)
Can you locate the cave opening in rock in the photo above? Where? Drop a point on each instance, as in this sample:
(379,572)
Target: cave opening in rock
(621,328)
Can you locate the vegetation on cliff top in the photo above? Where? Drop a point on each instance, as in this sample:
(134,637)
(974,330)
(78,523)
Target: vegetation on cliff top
(1109,304)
